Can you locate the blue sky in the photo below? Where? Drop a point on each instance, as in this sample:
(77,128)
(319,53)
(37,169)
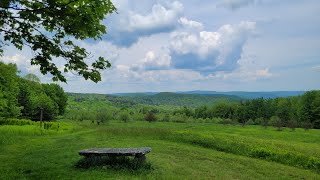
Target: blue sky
(222,45)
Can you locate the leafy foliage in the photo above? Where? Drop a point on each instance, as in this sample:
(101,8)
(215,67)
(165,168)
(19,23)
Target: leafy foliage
(9,91)
(25,98)
(32,77)
(150,117)
(45,26)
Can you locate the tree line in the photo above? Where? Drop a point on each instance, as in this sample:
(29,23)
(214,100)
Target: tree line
(25,97)
(297,111)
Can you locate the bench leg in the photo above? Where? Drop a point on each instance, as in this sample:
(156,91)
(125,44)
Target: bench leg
(140,158)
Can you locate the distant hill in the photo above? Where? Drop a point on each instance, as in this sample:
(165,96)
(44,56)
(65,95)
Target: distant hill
(134,94)
(178,99)
(189,98)
(239,94)
(248,95)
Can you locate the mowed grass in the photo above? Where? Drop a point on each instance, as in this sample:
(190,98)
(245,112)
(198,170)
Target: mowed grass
(179,151)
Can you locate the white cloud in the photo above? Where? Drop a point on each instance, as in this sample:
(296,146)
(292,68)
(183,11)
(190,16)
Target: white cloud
(242,74)
(156,76)
(186,23)
(160,17)
(22,60)
(206,50)
(18,59)
(129,25)
(153,61)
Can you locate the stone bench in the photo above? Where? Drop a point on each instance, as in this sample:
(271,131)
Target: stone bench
(138,153)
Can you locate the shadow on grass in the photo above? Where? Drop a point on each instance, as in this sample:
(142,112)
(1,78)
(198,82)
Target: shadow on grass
(114,163)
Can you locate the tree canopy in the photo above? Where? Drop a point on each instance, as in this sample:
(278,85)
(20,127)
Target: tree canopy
(21,97)
(48,28)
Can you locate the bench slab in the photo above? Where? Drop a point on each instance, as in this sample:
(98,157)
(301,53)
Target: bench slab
(115,151)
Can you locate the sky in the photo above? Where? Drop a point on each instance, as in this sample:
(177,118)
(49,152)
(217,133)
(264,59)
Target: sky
(183,45)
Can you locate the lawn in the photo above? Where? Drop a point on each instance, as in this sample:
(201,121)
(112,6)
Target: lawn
(179,151)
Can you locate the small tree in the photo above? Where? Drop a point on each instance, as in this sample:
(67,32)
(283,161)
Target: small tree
(124,116)
(103,115)
(166,118)
(150,117)
(262,121)
(306,125)
(275,121)
(292,124)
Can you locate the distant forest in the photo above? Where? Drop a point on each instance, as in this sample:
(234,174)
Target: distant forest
(296,111)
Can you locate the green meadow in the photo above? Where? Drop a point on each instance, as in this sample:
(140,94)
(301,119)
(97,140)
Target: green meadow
(179,151)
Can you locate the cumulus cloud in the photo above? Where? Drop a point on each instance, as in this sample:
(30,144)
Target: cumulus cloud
(207,51)
(160,17)
(153,61)
(156,76)
(22,60)
(186,23)
(17,59)
(242,74)
(128,26)
(236,4)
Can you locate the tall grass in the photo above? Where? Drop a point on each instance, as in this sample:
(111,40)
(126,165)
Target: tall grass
(271,150)
(15,130)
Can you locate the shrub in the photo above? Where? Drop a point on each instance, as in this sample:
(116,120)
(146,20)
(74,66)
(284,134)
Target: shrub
(292,124)
(103,115)
(217,120)
(275,121)
(124,116)
(150,117)
(306,125)
(180,118)
(227,121)
(250,122)
(138,116)
(316,124)
(200,120)
(208,120)
(166,118)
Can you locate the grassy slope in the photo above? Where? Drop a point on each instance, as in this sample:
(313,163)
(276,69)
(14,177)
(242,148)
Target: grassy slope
(25,153)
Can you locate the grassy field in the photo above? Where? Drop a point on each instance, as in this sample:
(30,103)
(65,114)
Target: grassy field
(179,151)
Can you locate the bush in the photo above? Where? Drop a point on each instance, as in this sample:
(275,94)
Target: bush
(227,121)
(124,116)
(208,120)
(103,115)
(316,124)
(275,121)
(307,125)
(138,116)
(200,120)
(250,122)
(150,117)
(264,122)
(217,120)
(292,124)
(166,118)
(180,118)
